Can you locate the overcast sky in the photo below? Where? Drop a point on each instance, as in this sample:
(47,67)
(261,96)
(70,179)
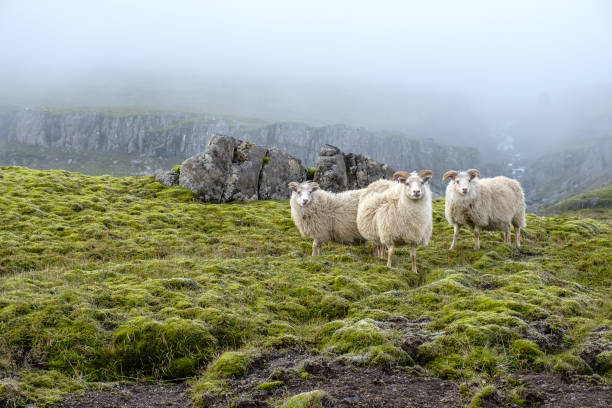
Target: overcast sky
(492,52)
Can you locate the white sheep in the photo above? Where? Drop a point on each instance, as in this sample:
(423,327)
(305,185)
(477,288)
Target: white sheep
(484,204)
(325,216)
(378,250)
(395,213)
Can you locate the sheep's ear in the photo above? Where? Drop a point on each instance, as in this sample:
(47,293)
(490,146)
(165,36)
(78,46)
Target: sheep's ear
(314,186)
(451,174)
(293,186)
(473,173)
(426,175)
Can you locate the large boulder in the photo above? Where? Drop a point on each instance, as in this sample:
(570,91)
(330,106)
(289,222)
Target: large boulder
(232,169)
(242,183)
(337,171)
(205,174)
(278,170)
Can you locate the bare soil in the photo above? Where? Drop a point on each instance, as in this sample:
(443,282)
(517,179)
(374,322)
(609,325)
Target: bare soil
(347,386)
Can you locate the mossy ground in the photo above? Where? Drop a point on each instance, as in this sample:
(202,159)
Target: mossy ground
(594,204)
(106,279)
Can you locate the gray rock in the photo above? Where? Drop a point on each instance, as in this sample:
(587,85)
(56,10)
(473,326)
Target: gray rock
(280,169)
(232,169)
(337,171)
(167,178)
(243,182)
(205,174)
(362,171)
(330,171)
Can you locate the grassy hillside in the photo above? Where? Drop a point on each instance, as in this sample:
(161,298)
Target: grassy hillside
(100,163)
(595,204)
(108,279)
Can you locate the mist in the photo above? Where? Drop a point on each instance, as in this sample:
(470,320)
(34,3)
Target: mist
(471,72)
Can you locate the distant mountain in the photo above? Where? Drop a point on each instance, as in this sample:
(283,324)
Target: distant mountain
(136,142)
(557,176)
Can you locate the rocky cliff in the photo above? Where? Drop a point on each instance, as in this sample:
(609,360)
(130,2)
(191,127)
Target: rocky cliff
(557,176)
(147,135)
(157,134)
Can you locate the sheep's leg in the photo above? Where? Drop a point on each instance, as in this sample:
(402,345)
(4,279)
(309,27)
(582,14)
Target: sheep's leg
(456,229)
(316,247)
(413,258)
(381,251)
(378,250)
(517,236)
(390,255)
(476,238)
(507,235)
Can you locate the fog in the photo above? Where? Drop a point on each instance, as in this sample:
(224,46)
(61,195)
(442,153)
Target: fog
(471,72)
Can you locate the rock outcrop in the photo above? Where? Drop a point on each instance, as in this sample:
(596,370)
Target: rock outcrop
(279,168)
(337,171)
(232,169)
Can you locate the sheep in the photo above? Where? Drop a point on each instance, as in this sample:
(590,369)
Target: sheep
(378,186)
(484,204)
(325,216)
(399,214)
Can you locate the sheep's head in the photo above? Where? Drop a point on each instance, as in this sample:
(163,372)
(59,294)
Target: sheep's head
(462,181)
(415,182)
(303,191)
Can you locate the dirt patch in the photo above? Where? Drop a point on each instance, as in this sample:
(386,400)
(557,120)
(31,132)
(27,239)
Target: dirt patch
(131,396)
(278,375)
(546,391)
(346,385)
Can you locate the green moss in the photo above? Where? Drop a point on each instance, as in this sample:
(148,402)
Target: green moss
(569,364)
(182,367)
(265,160)
(525,354)
(12,393)
(271,385)
(485,394)
(145,345)
(310,172)
(604,363)
(177,169)
(231,364)
(312,399)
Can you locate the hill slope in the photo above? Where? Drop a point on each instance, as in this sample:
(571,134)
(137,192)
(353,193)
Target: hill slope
(107,279)
(595,204)
(557,176)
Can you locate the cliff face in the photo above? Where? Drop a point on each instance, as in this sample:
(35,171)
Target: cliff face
(145,134)
(394,149)
(557,176)
(170,135)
